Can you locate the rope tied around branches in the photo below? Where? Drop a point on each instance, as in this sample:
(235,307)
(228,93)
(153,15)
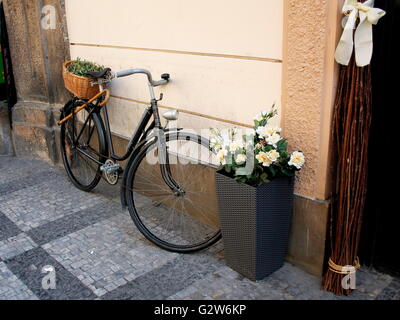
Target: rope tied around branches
(344,269)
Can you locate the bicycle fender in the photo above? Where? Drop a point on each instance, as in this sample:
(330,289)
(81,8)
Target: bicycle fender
(67,109)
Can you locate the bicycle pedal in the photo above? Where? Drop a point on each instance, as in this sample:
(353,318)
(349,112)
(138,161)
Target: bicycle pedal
(110,168)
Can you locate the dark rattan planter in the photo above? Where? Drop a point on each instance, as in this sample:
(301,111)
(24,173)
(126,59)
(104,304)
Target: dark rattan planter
(255,224)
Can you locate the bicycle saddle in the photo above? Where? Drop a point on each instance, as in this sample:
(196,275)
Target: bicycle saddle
(99,74)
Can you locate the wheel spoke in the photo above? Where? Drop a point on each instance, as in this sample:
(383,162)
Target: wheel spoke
(82,171)
(177,221)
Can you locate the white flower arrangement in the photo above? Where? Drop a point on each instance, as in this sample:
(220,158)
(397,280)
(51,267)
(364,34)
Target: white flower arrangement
(263,150)
(297,159)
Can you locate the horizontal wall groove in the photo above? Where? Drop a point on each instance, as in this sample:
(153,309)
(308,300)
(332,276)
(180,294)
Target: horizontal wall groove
(193,113)
(204,54)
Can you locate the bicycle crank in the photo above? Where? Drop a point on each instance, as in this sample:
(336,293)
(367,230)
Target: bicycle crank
(111,171)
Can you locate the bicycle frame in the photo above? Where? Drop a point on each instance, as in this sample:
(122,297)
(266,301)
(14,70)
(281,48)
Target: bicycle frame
(141,132)
(140,135)
(88,138)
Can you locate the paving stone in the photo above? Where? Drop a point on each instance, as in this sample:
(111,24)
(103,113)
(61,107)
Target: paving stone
(391,292)
(15,245)
(118,251)
(71,223)
(11,288)
(45,202)
(98,253)
(67,285)
(8,228)
(15,178)
(13,169)
(164,281)
(25,182)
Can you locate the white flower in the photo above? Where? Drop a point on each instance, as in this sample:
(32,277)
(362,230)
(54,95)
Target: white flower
(235,145)
(272,130)
(263,158)
(221,156)
(273,139)
(273,155)
(297,159)
(259,146)
(215,144)
(241,158)
(265,132)
(262,132)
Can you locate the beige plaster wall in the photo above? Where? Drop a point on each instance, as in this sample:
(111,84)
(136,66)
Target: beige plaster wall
(230,27)
(225,58)
(309,85)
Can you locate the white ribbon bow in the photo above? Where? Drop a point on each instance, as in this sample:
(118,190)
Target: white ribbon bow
(362,37)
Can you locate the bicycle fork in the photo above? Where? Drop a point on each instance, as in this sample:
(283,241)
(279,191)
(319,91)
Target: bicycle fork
(163,156)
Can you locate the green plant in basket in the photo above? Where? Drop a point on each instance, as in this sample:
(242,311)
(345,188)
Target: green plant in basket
(258,156)
(81,67)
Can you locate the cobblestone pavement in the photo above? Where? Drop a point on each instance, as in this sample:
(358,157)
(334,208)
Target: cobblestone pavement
(97,252)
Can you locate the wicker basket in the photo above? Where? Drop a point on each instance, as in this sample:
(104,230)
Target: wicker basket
(79,86)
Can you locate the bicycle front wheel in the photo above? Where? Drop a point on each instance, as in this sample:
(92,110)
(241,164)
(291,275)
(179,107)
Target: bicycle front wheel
(185,221)
(83,147)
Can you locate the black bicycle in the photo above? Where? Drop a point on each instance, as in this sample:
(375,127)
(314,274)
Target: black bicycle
(163,182)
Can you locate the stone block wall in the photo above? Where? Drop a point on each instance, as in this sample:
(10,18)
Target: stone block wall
(34,131)
(37,52)
(6,147)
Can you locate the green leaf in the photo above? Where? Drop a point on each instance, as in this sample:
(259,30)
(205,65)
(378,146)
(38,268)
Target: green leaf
(264,176)
(284,156)
(273,171)
(82,67)
(268,148)
(282,146)
(288,172)
(241,179)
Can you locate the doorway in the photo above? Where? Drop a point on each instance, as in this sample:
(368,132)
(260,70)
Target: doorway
(380,238)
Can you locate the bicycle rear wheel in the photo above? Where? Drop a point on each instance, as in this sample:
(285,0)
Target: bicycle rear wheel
(184,222)
(83,147)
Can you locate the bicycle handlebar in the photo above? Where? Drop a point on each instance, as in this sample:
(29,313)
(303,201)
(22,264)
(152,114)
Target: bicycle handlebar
(125,73)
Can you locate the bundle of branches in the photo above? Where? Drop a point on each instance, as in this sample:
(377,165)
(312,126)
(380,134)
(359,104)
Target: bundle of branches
(351,123)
